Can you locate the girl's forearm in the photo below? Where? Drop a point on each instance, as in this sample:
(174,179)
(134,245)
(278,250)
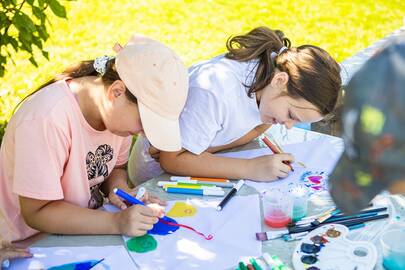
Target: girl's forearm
(204,165)
(65,218)
(118,178)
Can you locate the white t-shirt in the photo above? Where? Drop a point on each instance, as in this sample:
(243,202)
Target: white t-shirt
(218,110)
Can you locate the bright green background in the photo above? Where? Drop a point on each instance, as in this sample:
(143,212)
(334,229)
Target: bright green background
(197,30)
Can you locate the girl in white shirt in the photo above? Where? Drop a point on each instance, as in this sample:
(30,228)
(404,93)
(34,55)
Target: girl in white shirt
(235,97)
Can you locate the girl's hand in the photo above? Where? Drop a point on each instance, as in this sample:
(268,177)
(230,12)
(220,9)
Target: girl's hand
(154,153)
(269,167)
(147,198)
(7,251)
(136,220)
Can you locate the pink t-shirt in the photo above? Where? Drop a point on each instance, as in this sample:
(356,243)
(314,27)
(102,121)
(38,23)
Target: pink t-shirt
(50,152)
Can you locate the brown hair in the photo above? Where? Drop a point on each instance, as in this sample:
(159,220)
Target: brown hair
(313,74)
(84,69)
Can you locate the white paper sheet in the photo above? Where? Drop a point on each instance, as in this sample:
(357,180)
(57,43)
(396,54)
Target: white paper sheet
(233,229)
(115,257)
(319,156)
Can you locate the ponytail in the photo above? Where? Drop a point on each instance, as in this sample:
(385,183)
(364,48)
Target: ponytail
(259,44)
(313,74)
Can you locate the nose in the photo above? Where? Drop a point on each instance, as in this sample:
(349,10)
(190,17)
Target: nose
(289,124)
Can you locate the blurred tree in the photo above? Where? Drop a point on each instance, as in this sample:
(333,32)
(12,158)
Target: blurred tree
(23,24)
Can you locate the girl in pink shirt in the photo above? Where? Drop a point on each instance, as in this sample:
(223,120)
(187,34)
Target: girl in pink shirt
(67,146)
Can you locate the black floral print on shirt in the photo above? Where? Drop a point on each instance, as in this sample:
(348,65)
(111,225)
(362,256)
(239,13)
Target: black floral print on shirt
(96,166)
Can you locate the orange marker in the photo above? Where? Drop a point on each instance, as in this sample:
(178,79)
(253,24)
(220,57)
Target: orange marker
(276,150)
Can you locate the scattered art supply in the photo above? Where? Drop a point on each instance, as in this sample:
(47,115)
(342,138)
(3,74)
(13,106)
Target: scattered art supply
(299,236)
(230,194)
(354,222)
(180,185)
(188,178)
(300,197)
(5,264)
(142,244)
(274,262)
(198,182)
(393,246)
(182,209)
(141,192)
(196,191)
(173,183)
(184,250)
(328,248)
(277,207)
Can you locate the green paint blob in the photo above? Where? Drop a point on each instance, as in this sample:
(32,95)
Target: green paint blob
(142,244)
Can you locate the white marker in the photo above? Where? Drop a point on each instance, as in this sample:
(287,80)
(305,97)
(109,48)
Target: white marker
(140,193)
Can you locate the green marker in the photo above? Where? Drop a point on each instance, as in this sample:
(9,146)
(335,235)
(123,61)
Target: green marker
(256,266)
(164,183)
(242,266)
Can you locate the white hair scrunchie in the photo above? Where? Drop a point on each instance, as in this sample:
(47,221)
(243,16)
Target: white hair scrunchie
(100,64)
(273,55)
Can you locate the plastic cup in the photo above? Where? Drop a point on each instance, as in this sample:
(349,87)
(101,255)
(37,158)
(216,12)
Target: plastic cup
(300,196)
(277,208)
(393,244)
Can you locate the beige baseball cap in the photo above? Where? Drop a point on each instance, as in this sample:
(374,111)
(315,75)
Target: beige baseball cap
(157,77)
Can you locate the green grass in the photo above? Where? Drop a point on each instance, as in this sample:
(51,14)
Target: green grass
(197,30)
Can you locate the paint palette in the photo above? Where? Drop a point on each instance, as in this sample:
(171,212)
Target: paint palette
(327,248)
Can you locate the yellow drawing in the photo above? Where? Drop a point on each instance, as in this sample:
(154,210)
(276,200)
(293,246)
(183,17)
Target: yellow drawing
(182,209)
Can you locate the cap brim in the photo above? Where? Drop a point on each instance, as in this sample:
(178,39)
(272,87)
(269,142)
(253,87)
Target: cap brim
(162,133)
(349,193)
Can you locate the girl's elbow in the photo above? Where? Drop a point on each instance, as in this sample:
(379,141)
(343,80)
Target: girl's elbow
(168,164)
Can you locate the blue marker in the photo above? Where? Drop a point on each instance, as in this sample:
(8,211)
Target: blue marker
(159,227)
(126,196)
(357,226)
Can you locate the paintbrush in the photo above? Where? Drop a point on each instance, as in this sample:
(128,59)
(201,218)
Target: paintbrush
(336,215)
(265,236)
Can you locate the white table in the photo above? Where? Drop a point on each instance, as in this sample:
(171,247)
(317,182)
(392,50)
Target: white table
(274,247)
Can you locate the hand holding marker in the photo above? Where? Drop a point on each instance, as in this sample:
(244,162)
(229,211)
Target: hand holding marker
(276,149)
(135,201)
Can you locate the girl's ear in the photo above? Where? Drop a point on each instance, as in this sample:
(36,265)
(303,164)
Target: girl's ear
(116,89)
(280,79)
(117,47)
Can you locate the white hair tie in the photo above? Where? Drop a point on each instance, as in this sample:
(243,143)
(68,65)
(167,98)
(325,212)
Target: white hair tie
(273,55)
(100,64)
